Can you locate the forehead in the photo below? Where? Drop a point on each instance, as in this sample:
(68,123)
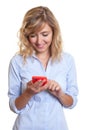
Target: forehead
(44,27)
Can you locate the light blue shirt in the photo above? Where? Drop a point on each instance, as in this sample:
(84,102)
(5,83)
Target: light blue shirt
(43,111)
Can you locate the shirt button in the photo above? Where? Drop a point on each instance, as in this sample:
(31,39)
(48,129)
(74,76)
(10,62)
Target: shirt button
(37,98)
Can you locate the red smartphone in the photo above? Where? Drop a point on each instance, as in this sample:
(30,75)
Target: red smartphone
(36,78)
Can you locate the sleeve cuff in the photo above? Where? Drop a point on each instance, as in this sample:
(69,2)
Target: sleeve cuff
(13,107)
(74,101)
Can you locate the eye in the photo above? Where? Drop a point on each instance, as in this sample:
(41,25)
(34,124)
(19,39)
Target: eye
(45,34)
(32,35)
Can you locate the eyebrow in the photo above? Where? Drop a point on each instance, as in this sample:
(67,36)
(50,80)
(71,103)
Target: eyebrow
(45,32)
(40,32)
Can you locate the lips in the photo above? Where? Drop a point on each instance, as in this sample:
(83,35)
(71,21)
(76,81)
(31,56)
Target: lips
(40,45)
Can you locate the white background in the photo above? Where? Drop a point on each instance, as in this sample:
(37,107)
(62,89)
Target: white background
(71,17)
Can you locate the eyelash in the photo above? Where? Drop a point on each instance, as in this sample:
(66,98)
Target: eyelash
(45,35)
(35,35)
(32,36)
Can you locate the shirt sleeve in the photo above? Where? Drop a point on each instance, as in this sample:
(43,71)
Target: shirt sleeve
(72,87)
(14,84)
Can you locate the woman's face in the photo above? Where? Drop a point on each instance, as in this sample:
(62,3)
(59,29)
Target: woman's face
(41,40)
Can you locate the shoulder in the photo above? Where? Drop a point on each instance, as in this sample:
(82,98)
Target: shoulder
(16,60)
(67,58)
(16,57)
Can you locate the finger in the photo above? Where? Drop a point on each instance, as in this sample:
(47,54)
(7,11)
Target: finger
(37,84)
(53,87)
(57,88)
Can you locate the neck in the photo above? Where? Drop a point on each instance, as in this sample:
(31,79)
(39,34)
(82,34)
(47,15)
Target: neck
(44,58)
(43,55)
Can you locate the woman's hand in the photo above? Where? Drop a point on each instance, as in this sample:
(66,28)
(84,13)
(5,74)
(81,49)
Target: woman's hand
(34,88)
(54,88)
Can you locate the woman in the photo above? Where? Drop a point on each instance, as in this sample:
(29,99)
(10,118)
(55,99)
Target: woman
(40,107)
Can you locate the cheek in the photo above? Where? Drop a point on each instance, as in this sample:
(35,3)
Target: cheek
(49,40)
(32,41)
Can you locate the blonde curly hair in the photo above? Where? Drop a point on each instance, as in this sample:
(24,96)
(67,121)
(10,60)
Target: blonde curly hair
(33,21)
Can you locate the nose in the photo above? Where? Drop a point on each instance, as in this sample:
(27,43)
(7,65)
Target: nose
(39,39)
